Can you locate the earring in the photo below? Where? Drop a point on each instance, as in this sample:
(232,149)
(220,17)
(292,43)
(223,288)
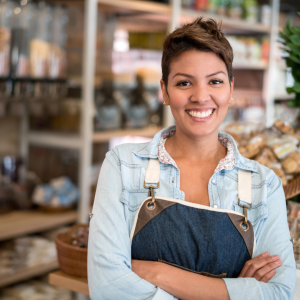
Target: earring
(231,100)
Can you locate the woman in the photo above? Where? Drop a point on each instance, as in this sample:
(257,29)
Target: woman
(200,166)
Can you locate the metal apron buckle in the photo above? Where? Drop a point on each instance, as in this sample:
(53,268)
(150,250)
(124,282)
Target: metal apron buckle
(151,192)
(245,207)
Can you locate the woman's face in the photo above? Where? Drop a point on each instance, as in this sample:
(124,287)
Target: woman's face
(198,92)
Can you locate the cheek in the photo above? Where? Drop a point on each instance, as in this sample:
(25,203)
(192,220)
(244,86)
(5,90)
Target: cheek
(222,98)
(178,99)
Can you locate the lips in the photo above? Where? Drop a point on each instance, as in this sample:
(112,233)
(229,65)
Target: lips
(200,114)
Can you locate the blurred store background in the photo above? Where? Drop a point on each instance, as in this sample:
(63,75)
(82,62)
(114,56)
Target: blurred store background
(79,77)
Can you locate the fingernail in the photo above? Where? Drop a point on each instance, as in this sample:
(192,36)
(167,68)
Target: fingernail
(275,257)
(278,262)
(265,254)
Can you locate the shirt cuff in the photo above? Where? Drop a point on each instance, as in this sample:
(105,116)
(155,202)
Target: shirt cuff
(239,288)
(163,295)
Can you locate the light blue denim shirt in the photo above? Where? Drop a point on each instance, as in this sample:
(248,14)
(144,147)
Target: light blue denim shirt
(120,192)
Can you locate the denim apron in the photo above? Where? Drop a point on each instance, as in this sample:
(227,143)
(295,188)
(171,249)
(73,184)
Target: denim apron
(197,238)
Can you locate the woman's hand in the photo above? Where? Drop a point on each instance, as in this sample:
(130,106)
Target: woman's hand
(262,267)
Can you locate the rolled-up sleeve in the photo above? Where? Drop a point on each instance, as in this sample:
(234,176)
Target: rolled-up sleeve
(272,236)
(109,250)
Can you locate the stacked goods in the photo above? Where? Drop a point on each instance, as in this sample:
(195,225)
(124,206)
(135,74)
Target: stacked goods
(248,10)
(275,147)
(35,290)
(25,252)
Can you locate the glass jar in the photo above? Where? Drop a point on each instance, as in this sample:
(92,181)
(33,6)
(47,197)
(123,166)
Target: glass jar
(57,60)
(39,43)
(6,9)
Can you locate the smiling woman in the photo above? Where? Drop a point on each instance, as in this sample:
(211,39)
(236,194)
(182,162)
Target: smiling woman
(185,216)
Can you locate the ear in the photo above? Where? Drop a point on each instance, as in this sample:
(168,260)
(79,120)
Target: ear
(164,92)
(231,87)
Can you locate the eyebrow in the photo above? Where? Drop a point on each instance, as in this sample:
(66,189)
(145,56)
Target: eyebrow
(191,76)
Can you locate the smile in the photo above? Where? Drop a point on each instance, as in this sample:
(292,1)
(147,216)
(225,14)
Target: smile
(200,114)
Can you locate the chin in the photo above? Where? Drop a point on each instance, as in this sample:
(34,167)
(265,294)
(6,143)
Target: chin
(202,130)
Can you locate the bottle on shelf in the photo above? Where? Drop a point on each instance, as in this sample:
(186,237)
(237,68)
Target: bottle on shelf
(213,6)
(188,4)
(235,10)
(108,114)
(138,116)
(22,17)
(250,11)
(201,5)
(222,7)
(57,54)
(39,44)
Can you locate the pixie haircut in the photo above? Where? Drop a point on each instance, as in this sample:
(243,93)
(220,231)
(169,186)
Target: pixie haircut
(202,35)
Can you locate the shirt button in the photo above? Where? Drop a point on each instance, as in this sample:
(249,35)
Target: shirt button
(215,206)
(214,181)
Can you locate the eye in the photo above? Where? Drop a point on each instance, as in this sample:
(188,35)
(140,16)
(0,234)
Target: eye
(216,81)
(183,83)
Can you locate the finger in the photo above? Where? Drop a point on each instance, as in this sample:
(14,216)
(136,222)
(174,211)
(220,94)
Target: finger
(256,265)
(269,267)
(268,276)
(249,262)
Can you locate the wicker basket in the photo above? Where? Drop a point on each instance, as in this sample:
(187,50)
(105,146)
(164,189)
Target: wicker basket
(292,189)
(55,210)
(72,259)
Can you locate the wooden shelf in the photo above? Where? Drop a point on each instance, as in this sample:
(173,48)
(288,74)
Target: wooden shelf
(18,223)
(28,273)
(52,139)
(72,141)
(130,6)
(250,66)
(230,25)
(73,283)
(105,136)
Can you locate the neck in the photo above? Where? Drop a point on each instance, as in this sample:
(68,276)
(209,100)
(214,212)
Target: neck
(180,145)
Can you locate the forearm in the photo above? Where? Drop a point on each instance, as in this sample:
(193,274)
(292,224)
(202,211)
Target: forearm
(187,285)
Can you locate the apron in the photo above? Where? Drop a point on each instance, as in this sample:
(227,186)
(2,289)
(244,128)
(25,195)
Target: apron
(208,241)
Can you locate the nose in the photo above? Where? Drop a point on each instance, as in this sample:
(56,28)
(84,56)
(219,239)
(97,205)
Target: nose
(200,94)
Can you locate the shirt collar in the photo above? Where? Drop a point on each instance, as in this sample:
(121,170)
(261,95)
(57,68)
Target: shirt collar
(150,150)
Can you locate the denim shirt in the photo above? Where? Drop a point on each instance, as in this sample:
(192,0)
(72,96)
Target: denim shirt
(121,191)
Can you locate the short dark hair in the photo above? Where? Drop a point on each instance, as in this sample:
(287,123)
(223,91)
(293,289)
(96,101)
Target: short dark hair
(203,35)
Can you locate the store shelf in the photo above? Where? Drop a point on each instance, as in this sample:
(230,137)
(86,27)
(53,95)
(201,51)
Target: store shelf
(72,141)
(73,283)
(105,136)
(51,139)
(18,223)
(229,24)
(246,93)
(284,96)
(151,11)
(250,66)
(129,6)
(27,273)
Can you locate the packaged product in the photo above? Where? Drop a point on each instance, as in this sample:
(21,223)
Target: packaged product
(276,167)
(266,156)
(291,164)
(283,127)
(283,150)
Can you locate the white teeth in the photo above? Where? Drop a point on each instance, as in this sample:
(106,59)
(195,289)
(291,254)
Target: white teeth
(200,115)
